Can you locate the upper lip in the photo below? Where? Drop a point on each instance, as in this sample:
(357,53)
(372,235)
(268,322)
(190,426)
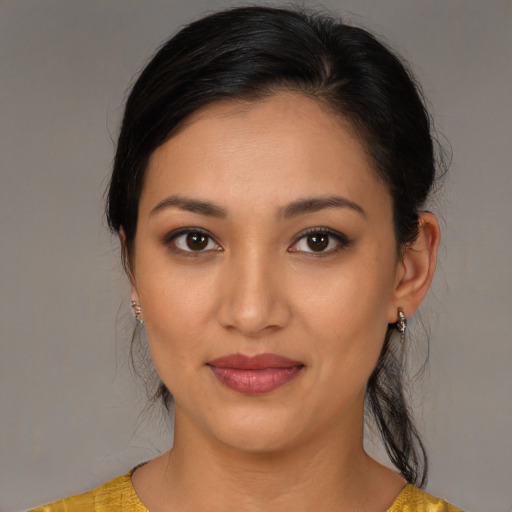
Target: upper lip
(257,362)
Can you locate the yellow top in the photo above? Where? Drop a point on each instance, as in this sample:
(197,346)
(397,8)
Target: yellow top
(119,495)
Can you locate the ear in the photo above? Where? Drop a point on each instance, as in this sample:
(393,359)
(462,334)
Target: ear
(416,269)
(128,265)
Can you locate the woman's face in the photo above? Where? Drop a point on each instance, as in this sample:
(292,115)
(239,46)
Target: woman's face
(264,231)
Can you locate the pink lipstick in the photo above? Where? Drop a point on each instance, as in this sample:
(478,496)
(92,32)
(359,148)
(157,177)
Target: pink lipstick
(255,375)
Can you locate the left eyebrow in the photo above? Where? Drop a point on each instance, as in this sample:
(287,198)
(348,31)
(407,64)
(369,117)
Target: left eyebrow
(315,204)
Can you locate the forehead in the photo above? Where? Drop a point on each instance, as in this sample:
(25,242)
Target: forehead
(264,152)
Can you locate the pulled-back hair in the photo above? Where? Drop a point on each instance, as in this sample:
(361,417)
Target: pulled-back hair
(251,53)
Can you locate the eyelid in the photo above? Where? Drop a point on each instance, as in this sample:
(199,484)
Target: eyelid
(341,238)
(173,235)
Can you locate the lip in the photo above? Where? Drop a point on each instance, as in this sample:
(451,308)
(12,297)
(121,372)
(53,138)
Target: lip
(257,374)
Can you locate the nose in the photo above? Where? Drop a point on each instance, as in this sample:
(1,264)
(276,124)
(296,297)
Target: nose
(254,296)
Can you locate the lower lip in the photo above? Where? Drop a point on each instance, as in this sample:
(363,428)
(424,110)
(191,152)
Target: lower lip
(255,382)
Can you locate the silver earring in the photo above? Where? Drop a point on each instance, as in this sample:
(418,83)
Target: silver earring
(401,324)
(137,311)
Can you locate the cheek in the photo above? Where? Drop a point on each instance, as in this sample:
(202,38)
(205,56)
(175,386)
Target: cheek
(345,313)
(353,297)
(176,312)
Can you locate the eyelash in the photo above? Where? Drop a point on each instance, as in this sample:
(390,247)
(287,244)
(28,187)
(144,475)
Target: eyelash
(342,240)
(170,240)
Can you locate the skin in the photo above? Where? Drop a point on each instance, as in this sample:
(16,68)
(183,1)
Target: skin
(258,287)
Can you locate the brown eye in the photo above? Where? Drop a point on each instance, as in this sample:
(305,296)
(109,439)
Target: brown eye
(323,241)
(318,242)
(197,241)
(192,241)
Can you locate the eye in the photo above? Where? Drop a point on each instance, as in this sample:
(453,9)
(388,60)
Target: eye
(192,240)
(320,241)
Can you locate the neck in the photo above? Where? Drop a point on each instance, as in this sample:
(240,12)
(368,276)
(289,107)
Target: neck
(201,474)
(233,480)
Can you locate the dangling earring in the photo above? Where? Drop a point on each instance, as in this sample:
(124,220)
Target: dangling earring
(401,324)
(137,311)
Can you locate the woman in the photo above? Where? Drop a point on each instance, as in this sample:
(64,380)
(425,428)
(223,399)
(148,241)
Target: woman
(268,190)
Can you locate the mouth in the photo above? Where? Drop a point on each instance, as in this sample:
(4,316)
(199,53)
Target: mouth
(257,374)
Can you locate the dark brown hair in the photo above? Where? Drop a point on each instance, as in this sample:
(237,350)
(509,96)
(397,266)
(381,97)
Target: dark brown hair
(250,53)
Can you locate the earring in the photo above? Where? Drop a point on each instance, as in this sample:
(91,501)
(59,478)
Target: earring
(401,324)
(137,311)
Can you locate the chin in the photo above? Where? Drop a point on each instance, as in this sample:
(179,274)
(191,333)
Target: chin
(264,433)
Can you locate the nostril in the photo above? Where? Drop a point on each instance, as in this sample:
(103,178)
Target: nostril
(260,318)
(252,299)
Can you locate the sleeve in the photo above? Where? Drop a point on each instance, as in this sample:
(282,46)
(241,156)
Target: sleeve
(78,503)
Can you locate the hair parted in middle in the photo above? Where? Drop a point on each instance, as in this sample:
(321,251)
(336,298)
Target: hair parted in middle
(251,53)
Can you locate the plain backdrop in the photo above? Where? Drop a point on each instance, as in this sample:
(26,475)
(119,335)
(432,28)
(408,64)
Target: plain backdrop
(70,414)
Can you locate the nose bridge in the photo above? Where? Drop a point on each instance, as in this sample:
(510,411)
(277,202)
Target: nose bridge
(253,302)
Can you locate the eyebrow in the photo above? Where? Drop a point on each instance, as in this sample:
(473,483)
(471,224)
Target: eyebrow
(191,205)
(294,209)
(315,204)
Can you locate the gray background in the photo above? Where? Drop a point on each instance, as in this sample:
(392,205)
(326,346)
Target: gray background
(70,408)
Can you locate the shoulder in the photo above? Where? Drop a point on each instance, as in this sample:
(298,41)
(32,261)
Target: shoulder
(118,494)
(412,499)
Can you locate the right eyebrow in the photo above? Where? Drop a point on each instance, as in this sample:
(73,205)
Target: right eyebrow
(190,205)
